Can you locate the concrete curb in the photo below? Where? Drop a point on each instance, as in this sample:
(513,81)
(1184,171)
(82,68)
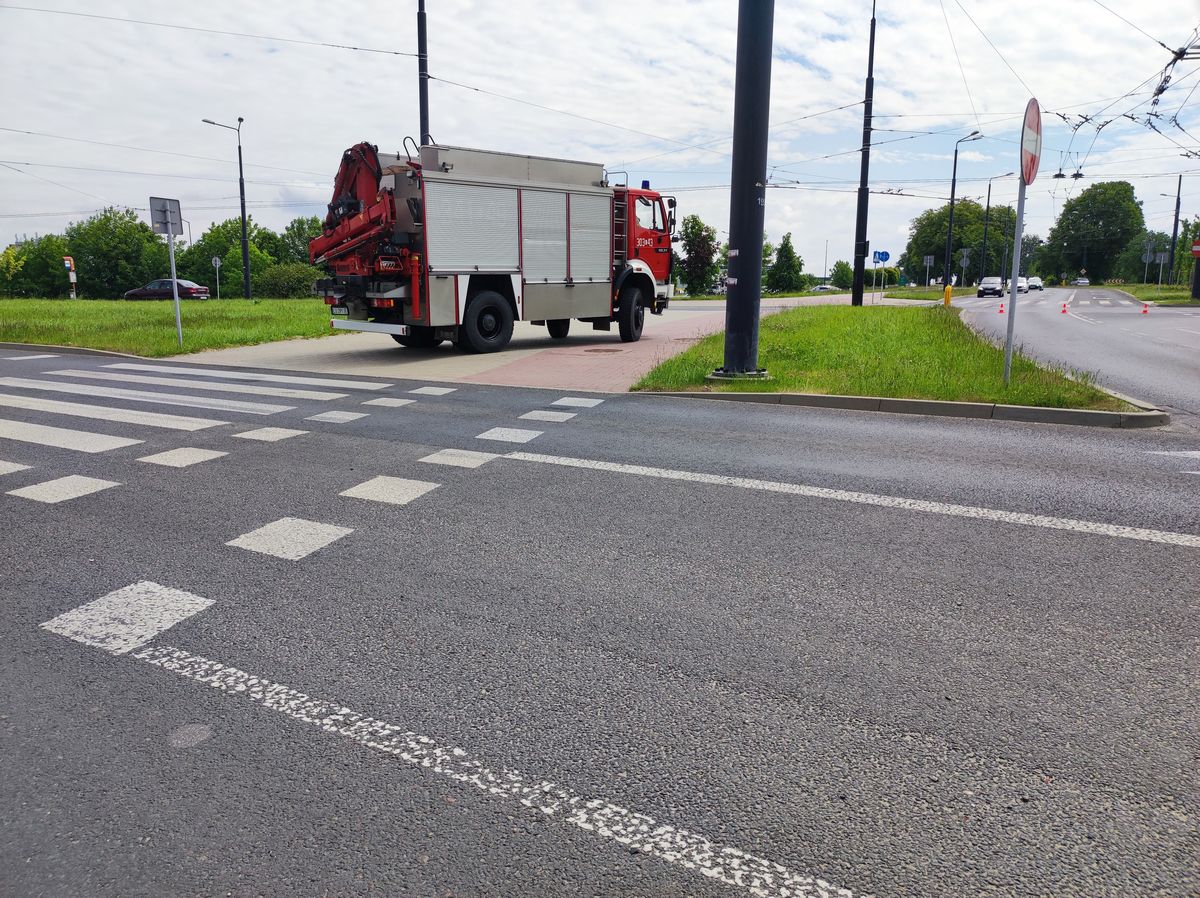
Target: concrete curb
(1153,417)
(79,350)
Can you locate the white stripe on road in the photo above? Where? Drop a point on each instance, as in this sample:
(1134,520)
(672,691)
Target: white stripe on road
(389,402)
(229,405)
(127,618)
(818,492)
(210,386)
(290,538)
(433,391)
(392,490)
(182,457)
(106,413)
(61,437)
(337,417)
(1187,454)
(270,434)
(11,467)
(29,358)
(577,402)
(254,375)
(640,833)
(509,435)
(459,458)
(548,416)
(63,489)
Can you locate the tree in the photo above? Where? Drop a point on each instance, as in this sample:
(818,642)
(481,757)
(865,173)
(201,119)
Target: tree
(288,280)
(1129,266)
(295,239)
(11,263)
(195,263)
(768,257)
(1189,231)
(700,246)
(841,275)
(785,274)
(1092,230)
(39,268)
(927,237)
(115,251)
(231,268)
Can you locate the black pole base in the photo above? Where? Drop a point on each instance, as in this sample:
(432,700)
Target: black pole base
(724,374)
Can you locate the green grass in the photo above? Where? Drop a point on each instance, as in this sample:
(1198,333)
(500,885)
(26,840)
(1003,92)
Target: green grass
(148,327)
(924,292)
(894,351)
(765,296)
(1167,295)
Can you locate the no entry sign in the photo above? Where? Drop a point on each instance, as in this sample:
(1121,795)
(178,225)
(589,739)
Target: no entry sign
(1196,249)
(1031,142)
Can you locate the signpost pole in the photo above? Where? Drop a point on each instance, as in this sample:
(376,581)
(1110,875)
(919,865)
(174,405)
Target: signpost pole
(216,264)
(175,290)
(1012,283)
(927,263)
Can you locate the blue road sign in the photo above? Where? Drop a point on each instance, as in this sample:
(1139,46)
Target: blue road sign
(880,255)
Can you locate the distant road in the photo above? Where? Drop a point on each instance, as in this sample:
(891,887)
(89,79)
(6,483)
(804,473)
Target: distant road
(1153,356)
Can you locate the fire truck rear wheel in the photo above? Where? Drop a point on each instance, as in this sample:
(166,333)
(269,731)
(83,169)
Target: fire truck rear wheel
(631,314)
(558,327)
(418,338)
(487,324)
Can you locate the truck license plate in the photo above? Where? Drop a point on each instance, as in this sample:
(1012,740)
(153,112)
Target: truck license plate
(341,311)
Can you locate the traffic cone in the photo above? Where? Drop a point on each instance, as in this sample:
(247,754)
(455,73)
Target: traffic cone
(1001,307)
(1064,309)
(1145,309)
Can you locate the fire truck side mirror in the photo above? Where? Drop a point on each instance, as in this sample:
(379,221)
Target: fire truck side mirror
(676,238)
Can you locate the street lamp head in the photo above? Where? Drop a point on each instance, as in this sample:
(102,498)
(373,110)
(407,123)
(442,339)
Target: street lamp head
(208,121)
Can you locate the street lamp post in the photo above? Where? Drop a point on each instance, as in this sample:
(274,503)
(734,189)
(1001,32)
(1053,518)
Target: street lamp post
(1175,229)
(986,214)
(242,191)
(189,224)
(947,289)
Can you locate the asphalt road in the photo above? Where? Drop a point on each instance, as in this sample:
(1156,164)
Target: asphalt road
(663,647)
(1153,356)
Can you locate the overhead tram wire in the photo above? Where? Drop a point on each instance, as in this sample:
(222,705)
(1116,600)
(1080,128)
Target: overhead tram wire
(55,183)
(993,46)
(1136,28)
(154,174)
(242,34)
(961,70)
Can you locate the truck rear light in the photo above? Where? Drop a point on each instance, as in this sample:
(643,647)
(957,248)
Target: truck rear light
(383,303)
(330,300)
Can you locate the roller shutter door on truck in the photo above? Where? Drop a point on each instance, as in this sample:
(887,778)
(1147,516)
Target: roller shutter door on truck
(469,227)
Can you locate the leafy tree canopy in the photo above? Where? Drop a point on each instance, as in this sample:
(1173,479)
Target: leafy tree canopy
(700,263)
(1092,230)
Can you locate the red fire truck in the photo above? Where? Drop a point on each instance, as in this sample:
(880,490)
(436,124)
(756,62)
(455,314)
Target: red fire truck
(457,244)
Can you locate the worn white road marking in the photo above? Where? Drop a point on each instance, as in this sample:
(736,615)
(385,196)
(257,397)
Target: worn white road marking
(11,467)
(63,489)
(510,435)
(228,374)
(232,405)
(459,458)
(210,386)
(672,845)
(393,490)
(577,402)
(182,457)
(548,416)
(337,417)
(29,358)
(389,402)
(270,434)
(61,437)
(127,618)
(1186,454)
(433,391)
(819,492)
(106,413)
(290,538)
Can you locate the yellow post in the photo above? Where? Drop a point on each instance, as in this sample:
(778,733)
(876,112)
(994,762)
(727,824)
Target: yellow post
(946,294)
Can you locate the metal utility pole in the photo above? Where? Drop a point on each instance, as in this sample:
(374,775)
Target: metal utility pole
(987,212)
(860,221)
(747,195)
(242,192)
(1175,230)
(423,73)
(947,286)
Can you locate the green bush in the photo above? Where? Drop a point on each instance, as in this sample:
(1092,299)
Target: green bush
(288,280)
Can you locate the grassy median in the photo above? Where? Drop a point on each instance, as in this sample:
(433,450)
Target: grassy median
(148,327)
(1167,295)
(910,353)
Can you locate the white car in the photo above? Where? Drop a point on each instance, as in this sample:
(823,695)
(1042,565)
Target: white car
(1022,285)
(1035,283)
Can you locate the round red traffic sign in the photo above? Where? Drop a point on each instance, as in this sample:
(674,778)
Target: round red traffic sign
(1031,142)
(1196,249)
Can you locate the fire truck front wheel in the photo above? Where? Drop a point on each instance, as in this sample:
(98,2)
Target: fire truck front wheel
(631,314)
(487,324)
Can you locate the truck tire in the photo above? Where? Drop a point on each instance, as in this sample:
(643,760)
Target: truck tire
(487,324)
(558,327)
(418,338)
(630,314)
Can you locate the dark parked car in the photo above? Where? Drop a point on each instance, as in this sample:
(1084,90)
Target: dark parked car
(161,289)
(990,287)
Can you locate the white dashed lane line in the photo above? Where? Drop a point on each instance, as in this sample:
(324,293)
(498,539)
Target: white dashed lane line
(459,458)
(105,413)
(230,374)
(28,358)
(270,434)
(63,489)
(548,416)
(577,402)
(433,391)
(11,467)
(389,402)
(391,490)
(191,401)
(509,435)
(337,417)
(182,457)
(290,538)
(61,437)
(209,386)
(127,618)
(1190,540)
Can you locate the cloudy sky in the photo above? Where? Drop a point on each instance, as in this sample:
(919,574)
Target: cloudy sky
(115,105)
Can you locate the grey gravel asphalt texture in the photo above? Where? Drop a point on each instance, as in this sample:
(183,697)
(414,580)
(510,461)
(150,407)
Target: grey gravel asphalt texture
(899,702)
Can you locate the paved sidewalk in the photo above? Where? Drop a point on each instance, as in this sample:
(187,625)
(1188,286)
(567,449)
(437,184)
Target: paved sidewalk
(586,360)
